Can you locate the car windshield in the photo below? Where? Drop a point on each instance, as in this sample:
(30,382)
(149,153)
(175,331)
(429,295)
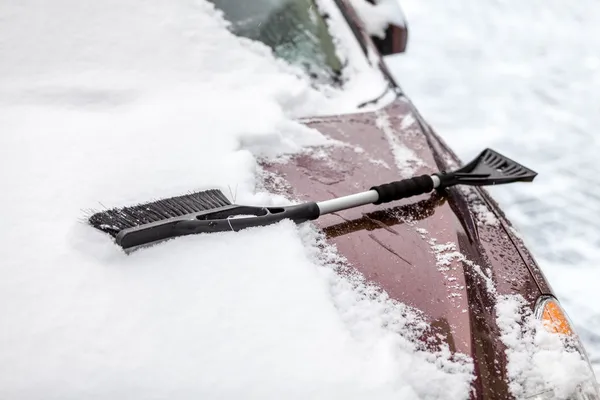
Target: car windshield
(293,29)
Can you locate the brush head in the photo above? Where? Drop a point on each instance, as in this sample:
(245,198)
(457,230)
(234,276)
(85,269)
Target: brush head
(116,220)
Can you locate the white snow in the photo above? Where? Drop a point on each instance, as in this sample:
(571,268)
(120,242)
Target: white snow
(522,78)
(538,361)
(111,103)
(377,17)
(483,215)
(406,160)
(446,255)
(379,162)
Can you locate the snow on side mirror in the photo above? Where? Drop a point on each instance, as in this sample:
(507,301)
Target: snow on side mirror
(394,41)
(385,23)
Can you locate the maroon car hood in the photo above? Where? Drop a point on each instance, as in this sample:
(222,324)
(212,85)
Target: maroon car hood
(449,255)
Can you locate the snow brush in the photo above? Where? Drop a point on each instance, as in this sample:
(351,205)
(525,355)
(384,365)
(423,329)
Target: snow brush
(210,211)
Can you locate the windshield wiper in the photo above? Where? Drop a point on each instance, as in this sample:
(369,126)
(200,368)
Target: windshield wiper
(389,87)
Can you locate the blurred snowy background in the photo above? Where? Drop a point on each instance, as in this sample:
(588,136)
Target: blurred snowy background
(523,78)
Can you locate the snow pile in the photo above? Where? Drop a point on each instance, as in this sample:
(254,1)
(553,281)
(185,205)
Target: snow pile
(538,361)
(111,103)
(377,17)
(363,306)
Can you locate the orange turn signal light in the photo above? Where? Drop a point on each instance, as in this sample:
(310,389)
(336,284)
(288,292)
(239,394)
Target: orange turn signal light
(554,318)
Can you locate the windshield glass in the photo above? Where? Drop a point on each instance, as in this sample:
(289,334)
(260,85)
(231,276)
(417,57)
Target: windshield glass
(293,29)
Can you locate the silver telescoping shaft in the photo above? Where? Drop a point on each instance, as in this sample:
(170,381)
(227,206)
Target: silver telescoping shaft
(346,202)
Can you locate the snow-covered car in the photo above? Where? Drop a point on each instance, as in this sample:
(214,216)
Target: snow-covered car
(432,297)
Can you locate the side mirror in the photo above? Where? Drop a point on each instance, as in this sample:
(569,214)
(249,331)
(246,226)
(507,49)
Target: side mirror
(394,42)
(385,23)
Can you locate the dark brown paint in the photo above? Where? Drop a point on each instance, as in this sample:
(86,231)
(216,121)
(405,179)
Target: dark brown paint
(385,243)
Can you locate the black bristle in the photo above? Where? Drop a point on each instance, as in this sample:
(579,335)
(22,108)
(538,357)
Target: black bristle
(116,219)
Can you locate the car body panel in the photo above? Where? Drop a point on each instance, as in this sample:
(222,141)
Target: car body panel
(448,255)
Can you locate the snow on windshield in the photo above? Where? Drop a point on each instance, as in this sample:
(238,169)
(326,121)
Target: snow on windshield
(111,103)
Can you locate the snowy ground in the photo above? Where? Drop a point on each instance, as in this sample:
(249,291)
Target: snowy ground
(523,78)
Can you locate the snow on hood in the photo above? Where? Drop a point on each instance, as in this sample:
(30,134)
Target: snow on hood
(111,103)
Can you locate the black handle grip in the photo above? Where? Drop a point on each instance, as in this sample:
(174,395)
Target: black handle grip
(403,189)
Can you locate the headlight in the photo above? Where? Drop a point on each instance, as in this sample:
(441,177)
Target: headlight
(555,321)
